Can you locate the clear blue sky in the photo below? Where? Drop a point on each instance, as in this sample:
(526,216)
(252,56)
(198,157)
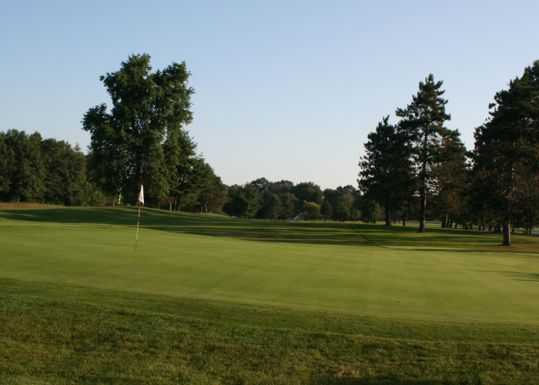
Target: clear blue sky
(284,89)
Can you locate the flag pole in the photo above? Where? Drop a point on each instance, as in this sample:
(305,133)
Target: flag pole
(138,224)
(140,204)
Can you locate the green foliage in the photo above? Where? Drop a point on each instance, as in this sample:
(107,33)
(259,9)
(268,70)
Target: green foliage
(237,203)
(340,204)
(311,210)
(423,122)
(24,172)
(271,206)
(450,174)
(283,200)
(65,173)
(506,157)
(148,109)
(307,192)
(201,189)
(142,139)
(38,170)
(6,157)
(386,175)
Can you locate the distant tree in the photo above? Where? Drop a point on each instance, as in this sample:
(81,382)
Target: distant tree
(65,173)
(386,174)
(6,165)
(207,192)
(369,209)
(450,176)
(281,187)
(34,169)
(261,184)
(23,177)
(180,158)
(288,204)
(307,192)
(424,120)
(343,207)
(326,209)
(212,195)
(287,200)
(237,204)
(271,206)
(311,210)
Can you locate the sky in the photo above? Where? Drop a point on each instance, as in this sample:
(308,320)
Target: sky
(284,89)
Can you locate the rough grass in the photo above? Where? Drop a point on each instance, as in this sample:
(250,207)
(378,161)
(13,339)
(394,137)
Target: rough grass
(211,300)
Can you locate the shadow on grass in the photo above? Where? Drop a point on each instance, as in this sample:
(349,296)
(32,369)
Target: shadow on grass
(523,276)
(325,233)
(391,380)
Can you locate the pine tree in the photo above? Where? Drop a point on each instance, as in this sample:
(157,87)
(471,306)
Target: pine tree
(450,173)
(506,150)
(424,120)
(385,169)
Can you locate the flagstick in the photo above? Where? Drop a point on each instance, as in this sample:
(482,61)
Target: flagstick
(138,226)
(140,204)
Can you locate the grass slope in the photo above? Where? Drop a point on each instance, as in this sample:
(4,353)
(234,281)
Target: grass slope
(213,300)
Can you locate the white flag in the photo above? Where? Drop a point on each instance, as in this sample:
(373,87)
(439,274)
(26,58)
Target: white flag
(141,195)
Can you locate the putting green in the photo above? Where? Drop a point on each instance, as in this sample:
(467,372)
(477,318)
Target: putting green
(341,267)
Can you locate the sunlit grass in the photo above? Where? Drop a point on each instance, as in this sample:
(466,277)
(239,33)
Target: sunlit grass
(209,299)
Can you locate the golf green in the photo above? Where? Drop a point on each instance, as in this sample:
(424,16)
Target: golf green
(344,267)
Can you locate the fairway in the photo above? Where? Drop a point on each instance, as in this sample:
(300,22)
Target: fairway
(320,277)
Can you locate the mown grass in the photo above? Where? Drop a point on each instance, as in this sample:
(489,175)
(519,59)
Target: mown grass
(212,300)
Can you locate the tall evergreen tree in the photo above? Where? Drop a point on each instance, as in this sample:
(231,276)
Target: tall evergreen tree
(506,148)
(450,176)
(385,169)
(424,119)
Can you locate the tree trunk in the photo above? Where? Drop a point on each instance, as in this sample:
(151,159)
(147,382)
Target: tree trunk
(423,198)
(506,233)
(422,208)
(387,214)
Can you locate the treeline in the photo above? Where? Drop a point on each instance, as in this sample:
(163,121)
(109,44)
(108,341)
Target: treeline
(418,164)
(34,169)
(286,200)
(140,139)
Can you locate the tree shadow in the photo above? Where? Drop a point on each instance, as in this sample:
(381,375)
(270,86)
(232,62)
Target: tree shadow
(320,232)
(523,276)
(394,380)
(516,275)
